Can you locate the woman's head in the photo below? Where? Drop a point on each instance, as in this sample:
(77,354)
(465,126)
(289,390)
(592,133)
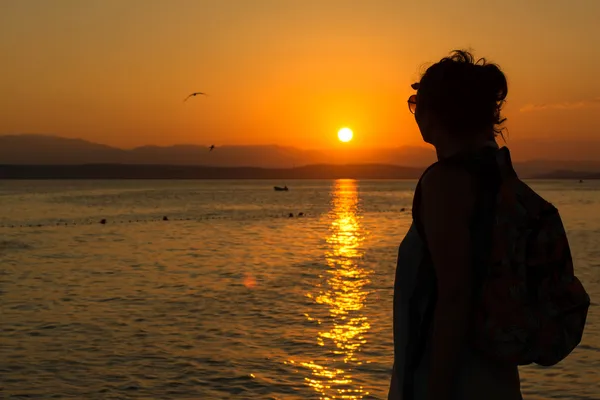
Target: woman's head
(460,98)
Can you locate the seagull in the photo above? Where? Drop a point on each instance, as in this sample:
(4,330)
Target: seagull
(195,94)
(211,148)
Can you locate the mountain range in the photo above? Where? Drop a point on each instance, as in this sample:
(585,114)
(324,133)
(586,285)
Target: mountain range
(53,150)
(37,150)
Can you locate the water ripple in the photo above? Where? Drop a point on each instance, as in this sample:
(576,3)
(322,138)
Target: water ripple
(236,307)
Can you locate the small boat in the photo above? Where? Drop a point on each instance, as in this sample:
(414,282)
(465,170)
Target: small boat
(280,189)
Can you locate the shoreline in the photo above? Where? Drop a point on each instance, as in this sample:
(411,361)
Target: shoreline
(193,172)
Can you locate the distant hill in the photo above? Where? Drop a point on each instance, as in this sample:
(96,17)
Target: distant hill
(35,150)
(548,168)
(566,174)
(136,171)
(42,149)
(52,150)
(322,171)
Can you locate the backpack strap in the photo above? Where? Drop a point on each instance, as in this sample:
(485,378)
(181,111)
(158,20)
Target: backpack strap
(505,164)
(535,205)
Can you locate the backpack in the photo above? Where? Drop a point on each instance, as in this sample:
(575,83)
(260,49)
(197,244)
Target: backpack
(531,307)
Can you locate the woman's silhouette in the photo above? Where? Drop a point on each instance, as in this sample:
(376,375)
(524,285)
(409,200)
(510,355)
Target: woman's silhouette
(457,107)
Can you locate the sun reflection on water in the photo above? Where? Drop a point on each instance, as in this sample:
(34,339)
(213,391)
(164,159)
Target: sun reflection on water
(342,326)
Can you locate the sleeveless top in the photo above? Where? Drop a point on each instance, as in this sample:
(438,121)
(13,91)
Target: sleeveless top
(415,297)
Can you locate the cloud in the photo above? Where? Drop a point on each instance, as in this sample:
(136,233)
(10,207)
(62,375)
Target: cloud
(595,102)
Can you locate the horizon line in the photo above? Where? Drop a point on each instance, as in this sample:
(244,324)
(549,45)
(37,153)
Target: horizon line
(213,166)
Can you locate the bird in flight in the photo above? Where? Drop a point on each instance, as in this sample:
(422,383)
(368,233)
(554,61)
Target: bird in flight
(211,148)
(195,94)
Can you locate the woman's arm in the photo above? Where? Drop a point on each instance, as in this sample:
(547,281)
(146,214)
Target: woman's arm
(447,204)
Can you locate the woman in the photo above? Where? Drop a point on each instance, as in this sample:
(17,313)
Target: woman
(458,110)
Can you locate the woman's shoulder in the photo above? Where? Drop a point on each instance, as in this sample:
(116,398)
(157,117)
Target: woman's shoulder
(446,177)
(446,186)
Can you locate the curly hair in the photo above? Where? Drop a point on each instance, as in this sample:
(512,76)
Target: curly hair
(465,95)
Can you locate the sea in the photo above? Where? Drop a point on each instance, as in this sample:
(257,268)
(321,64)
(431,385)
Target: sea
(229,289)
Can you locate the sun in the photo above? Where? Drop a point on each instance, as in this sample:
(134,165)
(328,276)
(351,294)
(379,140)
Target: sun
(345,135)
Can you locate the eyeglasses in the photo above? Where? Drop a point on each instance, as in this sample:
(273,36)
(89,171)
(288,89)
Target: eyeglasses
(412,103)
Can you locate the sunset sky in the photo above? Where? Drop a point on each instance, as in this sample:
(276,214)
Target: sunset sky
(285,72)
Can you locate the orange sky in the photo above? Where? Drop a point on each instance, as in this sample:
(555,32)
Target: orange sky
(283,71)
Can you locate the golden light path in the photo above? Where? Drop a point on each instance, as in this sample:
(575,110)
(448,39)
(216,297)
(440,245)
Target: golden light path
(342,333)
